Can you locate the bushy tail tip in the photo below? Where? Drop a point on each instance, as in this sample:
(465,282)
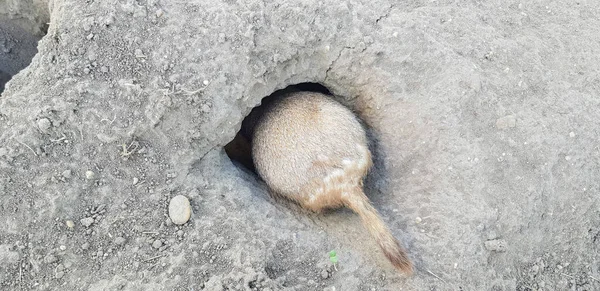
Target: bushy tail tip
(390,246)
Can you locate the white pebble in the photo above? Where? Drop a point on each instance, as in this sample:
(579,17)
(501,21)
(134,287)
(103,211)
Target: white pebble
(180,209)
(120,240)
(157,244)
(508,121)
(89,175)
(496,245)
(44,124)
(87,221)
(70,223)
(66,174)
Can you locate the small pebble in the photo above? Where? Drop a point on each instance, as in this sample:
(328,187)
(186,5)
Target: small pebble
(109,20)
(205,82)
(159,13)
(70,223)
(180,232)
(85,246)
(120,240)
(104,69)
(90,36)
(496,245)
(44,124)
(505,122)
(67,174)
(180,209)
(62,248)
(157,244)
(571,134)
(324,274)
(59,274)
(89,175)
(49,259)
(135,181)
(87,221)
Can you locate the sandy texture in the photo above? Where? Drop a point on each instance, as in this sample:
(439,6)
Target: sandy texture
(483,114)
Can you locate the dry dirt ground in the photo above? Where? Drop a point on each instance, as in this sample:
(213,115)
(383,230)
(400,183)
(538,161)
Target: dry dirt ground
(484,118)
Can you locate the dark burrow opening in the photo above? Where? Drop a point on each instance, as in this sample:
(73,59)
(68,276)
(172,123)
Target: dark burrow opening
(239,149)
(20,32)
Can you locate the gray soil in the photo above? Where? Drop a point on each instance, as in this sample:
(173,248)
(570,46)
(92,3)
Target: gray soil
(484,118)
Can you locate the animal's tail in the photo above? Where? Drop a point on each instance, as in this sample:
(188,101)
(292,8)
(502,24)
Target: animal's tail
(359,203)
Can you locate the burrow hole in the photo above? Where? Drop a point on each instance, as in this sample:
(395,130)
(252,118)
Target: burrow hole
(22,25)
(239,149)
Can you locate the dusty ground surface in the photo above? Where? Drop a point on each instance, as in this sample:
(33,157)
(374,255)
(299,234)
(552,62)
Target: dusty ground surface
(484,117)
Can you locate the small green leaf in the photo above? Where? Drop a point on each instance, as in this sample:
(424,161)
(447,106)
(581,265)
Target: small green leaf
(333,257)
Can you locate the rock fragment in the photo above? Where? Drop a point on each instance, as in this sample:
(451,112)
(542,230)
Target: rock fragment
(44,124)
(505,122)
(90,175)
(49,259)
(87,221)
(496,245)
(120,240)
(180,209)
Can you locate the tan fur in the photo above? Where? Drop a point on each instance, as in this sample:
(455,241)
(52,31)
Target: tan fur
(313,150)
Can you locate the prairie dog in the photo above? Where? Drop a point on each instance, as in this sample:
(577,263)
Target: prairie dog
(313,150)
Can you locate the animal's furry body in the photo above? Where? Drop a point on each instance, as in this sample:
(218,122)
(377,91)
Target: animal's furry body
(313,150)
